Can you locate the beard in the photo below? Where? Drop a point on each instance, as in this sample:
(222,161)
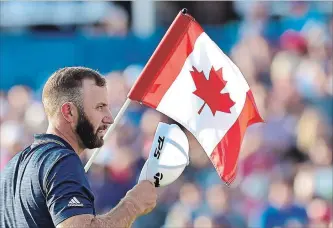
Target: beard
(89,138)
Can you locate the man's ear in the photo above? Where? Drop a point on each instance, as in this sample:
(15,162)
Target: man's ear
(68,111)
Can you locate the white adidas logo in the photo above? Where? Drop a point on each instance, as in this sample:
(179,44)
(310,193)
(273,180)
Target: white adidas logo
(75,203)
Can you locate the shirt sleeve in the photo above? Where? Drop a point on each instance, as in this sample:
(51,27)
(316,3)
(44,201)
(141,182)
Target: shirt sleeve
(67,190)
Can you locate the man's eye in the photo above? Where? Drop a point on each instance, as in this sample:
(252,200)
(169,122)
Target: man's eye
(100,107)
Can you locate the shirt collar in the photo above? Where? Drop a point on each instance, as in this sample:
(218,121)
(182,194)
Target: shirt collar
(45,138)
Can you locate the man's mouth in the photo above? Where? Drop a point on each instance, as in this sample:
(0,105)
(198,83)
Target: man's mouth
(102,129)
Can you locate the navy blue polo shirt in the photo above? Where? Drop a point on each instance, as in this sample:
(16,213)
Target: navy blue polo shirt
(43,185)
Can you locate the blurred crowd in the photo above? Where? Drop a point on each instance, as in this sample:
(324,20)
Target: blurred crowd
(285,165)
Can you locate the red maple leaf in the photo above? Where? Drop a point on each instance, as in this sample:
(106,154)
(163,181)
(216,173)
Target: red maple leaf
(210,90)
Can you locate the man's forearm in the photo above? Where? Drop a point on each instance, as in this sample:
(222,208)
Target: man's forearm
(138,201)
(123,215)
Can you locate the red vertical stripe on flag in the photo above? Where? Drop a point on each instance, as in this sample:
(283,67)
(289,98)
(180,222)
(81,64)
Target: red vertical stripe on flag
(167,61)
(226,153)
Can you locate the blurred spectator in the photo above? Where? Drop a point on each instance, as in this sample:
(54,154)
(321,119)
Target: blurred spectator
(281,210)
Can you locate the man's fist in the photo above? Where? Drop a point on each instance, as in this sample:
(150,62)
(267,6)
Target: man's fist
(143,196)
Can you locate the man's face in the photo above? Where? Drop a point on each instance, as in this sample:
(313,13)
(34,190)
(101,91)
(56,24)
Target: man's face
(94,117)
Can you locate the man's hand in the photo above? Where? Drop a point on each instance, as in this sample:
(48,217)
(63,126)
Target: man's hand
(143,196)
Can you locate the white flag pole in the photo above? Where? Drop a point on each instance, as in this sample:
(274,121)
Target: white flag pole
(110,129)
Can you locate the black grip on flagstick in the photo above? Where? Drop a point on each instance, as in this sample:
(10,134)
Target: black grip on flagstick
(184,11)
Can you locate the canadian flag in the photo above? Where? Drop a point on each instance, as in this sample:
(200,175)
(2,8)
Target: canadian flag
(191,80)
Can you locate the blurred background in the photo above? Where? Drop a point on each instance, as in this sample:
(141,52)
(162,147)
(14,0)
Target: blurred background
(284,50)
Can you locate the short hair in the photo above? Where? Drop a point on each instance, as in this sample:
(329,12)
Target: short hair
(65,85)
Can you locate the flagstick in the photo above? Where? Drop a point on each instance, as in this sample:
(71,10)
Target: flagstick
(110,129)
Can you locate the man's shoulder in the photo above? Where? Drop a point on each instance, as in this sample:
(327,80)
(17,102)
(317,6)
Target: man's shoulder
(38,156)
(49,155)
(48,152)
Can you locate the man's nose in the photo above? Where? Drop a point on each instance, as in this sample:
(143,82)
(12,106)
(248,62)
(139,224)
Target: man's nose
(109,118)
